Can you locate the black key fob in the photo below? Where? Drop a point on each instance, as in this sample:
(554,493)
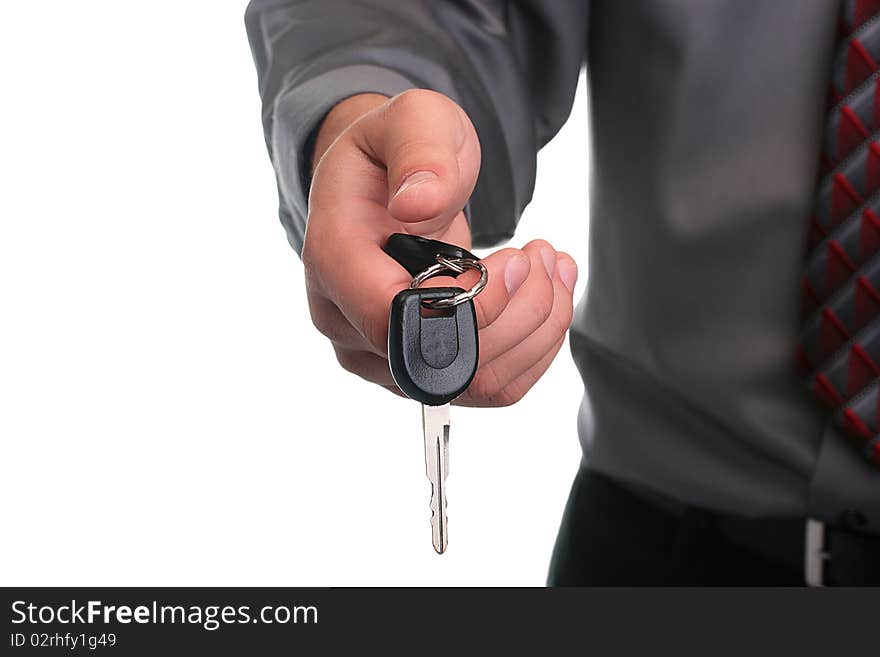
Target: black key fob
(416,254)
(433,353)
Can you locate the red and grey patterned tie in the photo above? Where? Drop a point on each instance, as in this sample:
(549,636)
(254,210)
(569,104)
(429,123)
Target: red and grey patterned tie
(839,350)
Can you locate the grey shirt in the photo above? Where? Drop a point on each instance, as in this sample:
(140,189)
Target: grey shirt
(707,119)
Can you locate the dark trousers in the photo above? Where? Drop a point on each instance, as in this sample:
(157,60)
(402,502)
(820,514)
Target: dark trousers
(612,536)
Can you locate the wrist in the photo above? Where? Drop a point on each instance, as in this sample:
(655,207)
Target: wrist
(339,118)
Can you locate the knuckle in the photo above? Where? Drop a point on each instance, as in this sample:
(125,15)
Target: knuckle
(326,323)
(417,99)
(537,244)
(509,396)
(312,254)
(309,258)
(560,319)
(374,328)
(485,385)
(320,320)
(542,307)
(422,153)
(481,313)
(348,360)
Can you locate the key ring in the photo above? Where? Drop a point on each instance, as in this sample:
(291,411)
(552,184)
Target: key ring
(457,265)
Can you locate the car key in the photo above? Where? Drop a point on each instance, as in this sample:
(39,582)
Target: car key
(433,352)
(433,357)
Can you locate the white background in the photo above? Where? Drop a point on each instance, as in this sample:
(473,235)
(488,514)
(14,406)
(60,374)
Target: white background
(168,415)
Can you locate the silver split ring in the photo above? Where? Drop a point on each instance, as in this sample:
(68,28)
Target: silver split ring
(457,265)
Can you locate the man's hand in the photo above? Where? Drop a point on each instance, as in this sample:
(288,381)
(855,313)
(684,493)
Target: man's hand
(408,165)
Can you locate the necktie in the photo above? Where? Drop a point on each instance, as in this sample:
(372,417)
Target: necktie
(839,348)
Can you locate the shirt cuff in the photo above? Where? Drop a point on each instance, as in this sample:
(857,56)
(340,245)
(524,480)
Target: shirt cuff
(298,113)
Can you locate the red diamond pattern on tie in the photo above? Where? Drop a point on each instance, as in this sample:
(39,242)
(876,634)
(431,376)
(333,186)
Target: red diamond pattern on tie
(869,234)
(851,132)
(839,349)
(844,199)
(857,14)
(859,65)
(867,302)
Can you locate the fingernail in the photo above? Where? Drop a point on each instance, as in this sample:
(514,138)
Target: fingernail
(568,272)
(413,179)
(548,255)
(516,272)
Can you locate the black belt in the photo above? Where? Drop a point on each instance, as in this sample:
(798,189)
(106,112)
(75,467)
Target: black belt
(826,554)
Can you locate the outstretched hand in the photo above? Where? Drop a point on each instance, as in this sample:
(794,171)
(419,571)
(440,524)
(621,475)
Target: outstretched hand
(408,165)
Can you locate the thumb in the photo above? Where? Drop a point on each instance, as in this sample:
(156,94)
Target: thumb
(431,155)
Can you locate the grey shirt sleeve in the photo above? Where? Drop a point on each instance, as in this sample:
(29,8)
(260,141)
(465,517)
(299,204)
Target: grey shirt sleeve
(512,66)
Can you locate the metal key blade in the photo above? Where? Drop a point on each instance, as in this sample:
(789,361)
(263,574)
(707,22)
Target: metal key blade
(436,424)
